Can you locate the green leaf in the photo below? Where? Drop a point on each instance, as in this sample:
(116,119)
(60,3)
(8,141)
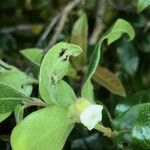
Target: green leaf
(134,130)
(33,55)
(4,115)
(72,72)
(79,36)
(8,91)
(19,111)
(108,80)
(54,67)
(87,92)
(46,129)
(9,99)
(18,80)
(9,104)
(142,4)
(64,94)
(141,135)
(119,28)
(125,103)
(128,57)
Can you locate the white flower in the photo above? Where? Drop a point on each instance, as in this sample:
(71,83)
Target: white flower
(91,115)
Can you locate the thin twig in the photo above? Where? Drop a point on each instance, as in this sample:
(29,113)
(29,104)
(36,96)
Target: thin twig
(48,29)
(99,22)
(105,130)
(62,21)
(21,27)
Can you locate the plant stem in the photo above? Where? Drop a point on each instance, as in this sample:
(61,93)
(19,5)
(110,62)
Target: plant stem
(115,133)
(35,102)
(105,130)
(108,132)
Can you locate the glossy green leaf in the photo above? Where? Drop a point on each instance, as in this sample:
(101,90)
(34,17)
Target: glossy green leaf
(33,55)
(142,4)
(131,100)
(128,57)
(79,36)
(46,129)
(54,67)
(94,141)
(134,127)
(108,80)
(118,29)
(141,135)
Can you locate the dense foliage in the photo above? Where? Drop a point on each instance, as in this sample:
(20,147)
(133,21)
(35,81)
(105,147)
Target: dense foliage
(60,57)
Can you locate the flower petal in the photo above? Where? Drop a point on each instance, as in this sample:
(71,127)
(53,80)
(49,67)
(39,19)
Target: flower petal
(91,115)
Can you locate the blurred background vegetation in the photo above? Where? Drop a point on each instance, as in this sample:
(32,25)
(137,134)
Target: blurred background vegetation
(26,23)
